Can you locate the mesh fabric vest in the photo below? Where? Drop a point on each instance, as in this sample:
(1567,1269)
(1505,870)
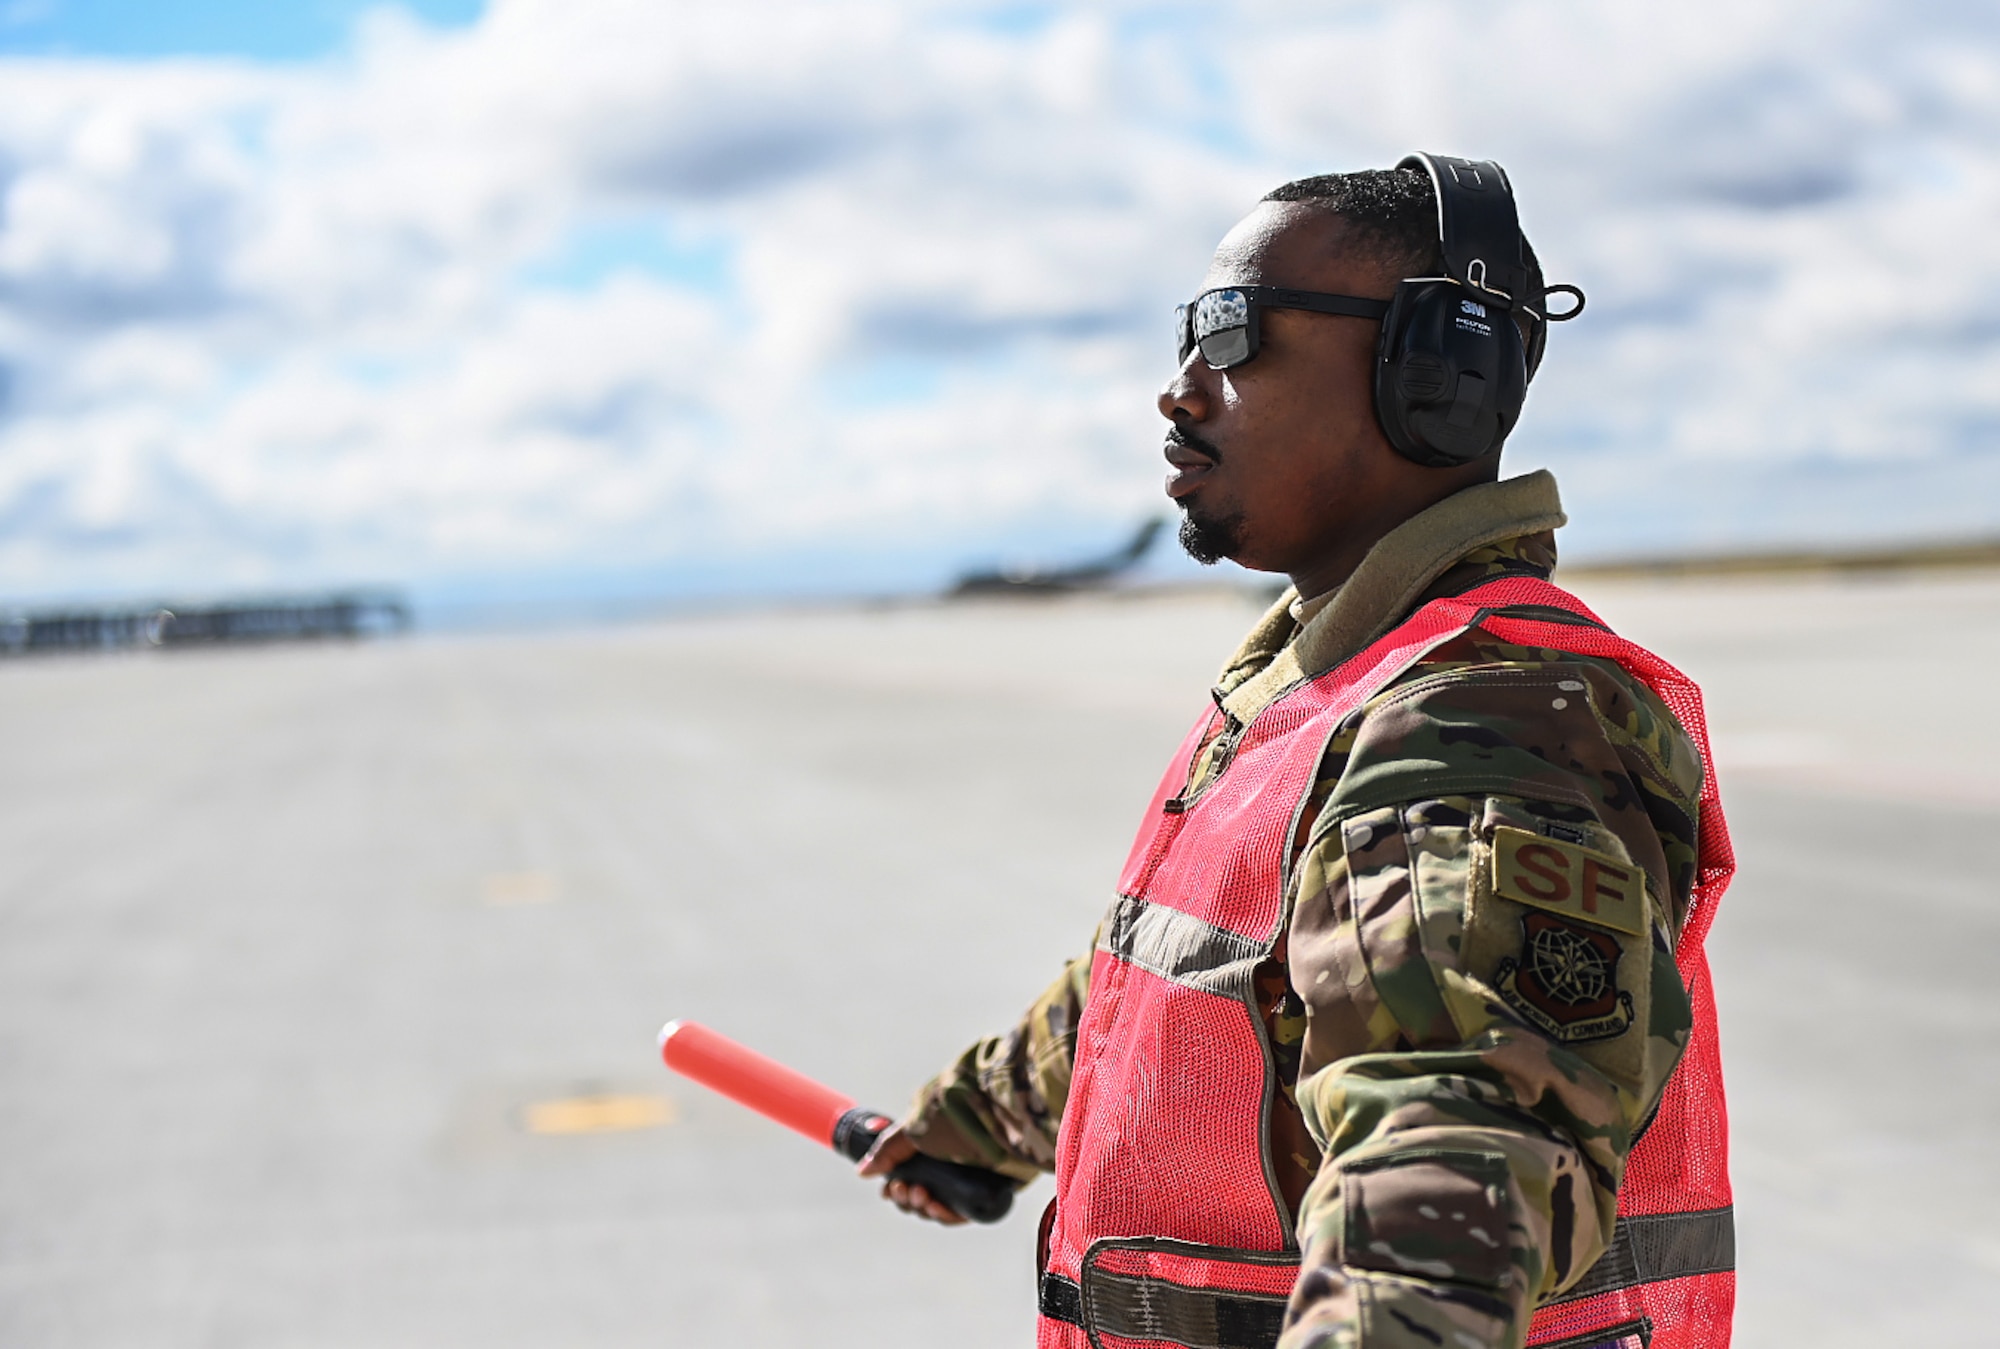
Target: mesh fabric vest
(1168,1228)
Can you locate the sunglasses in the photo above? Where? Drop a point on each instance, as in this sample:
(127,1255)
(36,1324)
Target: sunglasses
(1223,323)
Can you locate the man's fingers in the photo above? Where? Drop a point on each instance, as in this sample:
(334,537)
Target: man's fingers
(938,1212)
(891,1150)
(907,1197)
(918,1202)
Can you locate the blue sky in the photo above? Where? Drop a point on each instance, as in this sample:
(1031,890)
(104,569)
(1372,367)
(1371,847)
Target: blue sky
(618,295)
(287,31)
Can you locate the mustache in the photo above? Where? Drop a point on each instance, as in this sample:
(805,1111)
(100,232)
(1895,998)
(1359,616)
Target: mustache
(1188,440)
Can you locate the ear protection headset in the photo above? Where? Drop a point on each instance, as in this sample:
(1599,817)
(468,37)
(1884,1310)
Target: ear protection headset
(1452,367)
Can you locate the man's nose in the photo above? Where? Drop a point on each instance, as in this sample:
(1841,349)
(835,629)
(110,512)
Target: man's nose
(1186,394)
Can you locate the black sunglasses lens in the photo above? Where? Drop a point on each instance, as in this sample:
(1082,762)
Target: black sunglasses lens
(1229,347)
(1183,334)
(1221,324)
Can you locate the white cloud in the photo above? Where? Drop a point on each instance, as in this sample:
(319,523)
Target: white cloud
(295,323)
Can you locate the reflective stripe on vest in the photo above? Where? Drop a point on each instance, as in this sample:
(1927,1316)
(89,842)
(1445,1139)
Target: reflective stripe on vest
(1168,1224)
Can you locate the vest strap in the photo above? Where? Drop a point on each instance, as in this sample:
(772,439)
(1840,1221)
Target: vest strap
(1135,1307)
(1061,1299)
(1650,1247)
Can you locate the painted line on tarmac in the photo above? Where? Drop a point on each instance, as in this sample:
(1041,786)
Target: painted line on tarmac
(508,888)
(598,1114)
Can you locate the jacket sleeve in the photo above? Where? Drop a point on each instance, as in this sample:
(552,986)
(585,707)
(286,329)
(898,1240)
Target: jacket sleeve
(998,1104)
(1482,935)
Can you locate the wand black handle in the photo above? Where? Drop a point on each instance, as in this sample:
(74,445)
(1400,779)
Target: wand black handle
(970,1191)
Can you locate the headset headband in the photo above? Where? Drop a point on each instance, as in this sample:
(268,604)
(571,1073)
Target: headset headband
(1477,225)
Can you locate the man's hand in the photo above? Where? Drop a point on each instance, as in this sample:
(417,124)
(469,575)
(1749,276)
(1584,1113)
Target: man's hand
(891,1150)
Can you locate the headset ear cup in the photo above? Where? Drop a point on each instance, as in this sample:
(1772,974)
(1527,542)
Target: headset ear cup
(1452,371)
(1393,405)
(1450,374)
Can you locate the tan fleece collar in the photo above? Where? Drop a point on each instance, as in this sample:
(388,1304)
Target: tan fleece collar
(1387,583)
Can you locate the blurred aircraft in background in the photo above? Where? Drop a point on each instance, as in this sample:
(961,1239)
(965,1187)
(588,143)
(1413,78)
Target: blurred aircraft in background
(269,619)
(1062,580)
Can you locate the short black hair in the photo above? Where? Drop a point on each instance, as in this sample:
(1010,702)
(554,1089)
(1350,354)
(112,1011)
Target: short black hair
(1394,212)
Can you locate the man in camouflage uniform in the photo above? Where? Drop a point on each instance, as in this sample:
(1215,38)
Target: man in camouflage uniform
(1408,998)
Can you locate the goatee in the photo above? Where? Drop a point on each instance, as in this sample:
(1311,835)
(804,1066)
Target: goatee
(1208,539)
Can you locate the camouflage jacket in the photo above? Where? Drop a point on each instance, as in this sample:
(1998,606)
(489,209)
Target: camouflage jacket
(1402,1003)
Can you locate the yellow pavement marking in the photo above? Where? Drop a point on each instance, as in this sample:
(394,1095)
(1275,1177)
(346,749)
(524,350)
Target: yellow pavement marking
(598,1114)
(519,887)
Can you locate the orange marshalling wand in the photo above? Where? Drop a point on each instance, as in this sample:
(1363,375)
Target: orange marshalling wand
(749,1079)
(826,1116)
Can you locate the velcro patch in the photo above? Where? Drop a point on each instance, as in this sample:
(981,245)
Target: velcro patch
(1569,879)
(1566,980)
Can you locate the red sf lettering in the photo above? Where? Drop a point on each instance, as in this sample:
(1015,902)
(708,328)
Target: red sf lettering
(1555,886)
(1593,883)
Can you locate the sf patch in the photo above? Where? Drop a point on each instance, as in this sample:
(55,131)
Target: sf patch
(1569,879)
(1565,980)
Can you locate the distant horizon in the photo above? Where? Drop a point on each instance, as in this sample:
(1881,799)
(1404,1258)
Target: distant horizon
(541,600)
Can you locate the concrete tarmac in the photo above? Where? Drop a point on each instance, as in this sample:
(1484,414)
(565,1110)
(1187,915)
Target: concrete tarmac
(329,975)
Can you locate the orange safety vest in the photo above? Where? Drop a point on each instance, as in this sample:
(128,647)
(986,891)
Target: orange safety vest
(1167,1228)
